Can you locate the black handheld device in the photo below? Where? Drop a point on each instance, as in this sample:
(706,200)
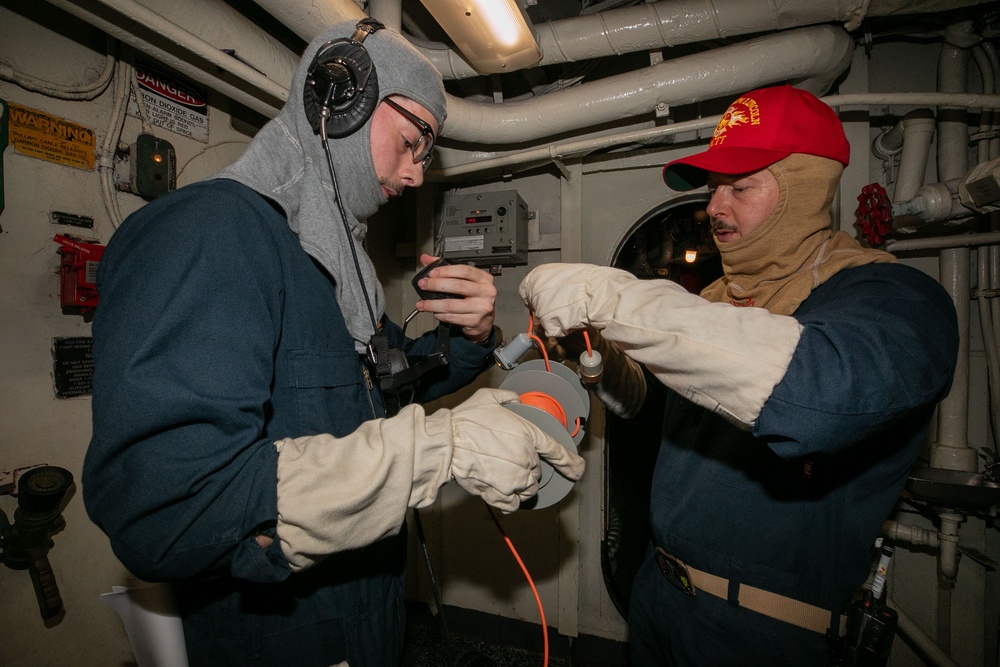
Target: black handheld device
(427,294)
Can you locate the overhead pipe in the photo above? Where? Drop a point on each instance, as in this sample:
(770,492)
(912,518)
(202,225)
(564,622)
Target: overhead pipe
(654,25)
(650,25)
(135,24)
(794,55)
(309,18)
(614,32)
(192,57)
(217,23)
(674,22)
(482,160)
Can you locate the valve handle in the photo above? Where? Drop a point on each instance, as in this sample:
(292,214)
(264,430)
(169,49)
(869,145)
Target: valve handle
(874,214)
(46,589)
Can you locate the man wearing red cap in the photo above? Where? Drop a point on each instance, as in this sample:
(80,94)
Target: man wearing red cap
(800,385)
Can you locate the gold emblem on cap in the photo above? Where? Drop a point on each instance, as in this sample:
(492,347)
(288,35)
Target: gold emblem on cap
(742,111)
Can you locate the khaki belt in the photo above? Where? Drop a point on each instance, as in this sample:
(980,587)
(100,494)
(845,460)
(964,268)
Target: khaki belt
(772,605)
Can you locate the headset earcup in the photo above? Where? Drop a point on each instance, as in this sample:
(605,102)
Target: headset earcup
(348,117)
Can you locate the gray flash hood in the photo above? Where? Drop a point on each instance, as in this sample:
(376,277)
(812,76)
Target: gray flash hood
(285,162)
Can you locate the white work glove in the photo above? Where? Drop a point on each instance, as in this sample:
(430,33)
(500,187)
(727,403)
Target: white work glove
(336,494)
(496,452)
(723,358)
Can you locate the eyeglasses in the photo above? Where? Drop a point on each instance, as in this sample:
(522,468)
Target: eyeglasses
(422,147)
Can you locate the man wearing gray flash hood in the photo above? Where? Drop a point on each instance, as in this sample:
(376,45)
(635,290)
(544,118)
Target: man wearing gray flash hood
(240,448)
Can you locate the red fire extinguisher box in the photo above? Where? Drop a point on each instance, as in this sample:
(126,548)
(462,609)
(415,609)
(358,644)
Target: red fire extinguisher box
(78,262)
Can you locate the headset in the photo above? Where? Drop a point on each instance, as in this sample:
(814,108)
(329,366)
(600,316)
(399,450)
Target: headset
(341,84)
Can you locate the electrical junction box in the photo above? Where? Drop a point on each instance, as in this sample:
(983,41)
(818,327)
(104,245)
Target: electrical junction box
(980,188)
(153,168)
(485,228)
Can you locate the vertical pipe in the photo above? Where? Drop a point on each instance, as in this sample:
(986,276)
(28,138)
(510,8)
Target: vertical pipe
(951,451)
(924,644)
(993,281)
(389,12)
(989,339)
(918,131)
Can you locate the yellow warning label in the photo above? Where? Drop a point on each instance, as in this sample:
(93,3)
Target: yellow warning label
(47,137)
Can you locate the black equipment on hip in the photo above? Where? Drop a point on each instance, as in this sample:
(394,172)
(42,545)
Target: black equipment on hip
(396,370)
(871,623)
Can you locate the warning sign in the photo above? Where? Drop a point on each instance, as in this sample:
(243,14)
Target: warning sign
(73,366)
(170,104)
(40,135)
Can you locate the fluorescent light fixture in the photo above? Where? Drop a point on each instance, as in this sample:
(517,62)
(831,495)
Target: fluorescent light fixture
(495,36)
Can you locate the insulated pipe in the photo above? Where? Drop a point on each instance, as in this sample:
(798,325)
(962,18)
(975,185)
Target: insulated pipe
(989,340)
(217,23)
(915,132)
(479,161)
(613,32)
(388,12)
(987,257)
(147,31)
(793,55)
(913,634)
(651,25)
(900,532)
(948,536)
(952,121)
(938,242)
(994,255)
(266,101)
(88,90)
(952,450)
(309,18)
(654,25)
(986,118)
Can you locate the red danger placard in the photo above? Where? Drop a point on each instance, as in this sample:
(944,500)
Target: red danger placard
(171,104)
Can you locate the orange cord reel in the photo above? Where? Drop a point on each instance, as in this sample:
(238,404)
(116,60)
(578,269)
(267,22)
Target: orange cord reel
(556,402)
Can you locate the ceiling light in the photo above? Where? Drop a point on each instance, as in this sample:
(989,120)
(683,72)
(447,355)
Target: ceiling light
(495,36)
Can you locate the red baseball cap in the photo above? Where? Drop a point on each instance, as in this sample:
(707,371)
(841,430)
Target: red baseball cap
(760,128)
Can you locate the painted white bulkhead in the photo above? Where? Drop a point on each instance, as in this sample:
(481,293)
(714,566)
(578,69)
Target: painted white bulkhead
(589,169)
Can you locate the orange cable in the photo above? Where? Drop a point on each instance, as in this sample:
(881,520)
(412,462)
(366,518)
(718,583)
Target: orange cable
(586,337)
(541,346)
(577,429)
(547,404)
(527,575)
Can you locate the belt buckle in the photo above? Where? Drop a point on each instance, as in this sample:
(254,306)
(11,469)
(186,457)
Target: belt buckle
(676,572)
